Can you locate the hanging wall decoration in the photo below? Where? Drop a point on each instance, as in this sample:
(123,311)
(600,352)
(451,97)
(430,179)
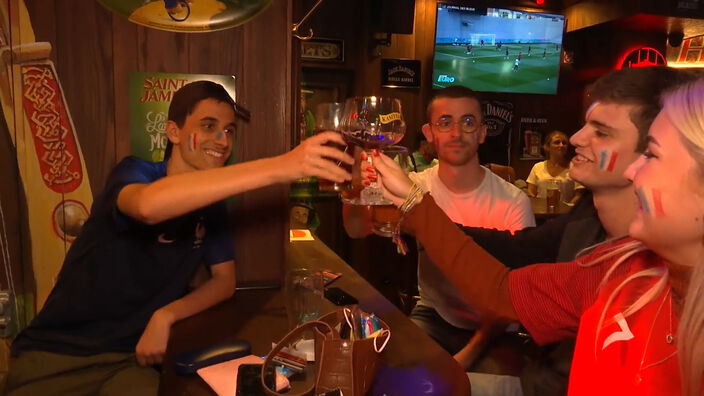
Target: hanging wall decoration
(187,15)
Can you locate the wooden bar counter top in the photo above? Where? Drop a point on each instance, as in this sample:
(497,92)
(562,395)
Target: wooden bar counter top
(413,363)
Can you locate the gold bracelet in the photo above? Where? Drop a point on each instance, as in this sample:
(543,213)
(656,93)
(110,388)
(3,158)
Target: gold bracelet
(415,195)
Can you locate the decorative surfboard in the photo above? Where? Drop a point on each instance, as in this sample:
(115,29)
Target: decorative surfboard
(49,157)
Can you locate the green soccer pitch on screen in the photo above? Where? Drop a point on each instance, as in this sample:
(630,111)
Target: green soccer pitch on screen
(497,49)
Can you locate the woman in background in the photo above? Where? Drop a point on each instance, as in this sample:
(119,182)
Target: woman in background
(555,167)
(636,304)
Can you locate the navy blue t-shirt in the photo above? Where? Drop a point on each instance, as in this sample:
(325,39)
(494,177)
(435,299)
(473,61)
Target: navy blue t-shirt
(119,271)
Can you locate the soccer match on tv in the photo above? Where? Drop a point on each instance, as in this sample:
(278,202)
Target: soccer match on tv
(494,49)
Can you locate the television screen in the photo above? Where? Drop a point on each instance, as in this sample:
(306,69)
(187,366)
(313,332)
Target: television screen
(497,49)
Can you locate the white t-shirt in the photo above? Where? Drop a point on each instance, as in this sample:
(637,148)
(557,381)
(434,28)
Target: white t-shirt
(539,176)
(495,203)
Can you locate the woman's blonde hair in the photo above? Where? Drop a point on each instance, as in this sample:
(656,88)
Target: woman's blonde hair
(684,107)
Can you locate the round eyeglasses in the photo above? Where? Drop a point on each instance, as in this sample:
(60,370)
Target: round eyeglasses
(467,124)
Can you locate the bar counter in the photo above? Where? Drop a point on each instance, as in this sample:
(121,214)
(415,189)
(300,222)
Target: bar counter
(413,362)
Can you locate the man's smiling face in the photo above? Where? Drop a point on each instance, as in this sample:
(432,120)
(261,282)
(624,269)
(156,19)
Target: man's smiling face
(205,140)
(605,147)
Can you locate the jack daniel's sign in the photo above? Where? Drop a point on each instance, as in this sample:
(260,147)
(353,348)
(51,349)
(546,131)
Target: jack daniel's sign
(497,145)
(400,73)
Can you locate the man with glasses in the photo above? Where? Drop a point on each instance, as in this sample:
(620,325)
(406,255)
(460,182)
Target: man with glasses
(470,195)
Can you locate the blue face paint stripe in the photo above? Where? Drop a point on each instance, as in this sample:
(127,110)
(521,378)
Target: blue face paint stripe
(219,135)
(643,200)
(602,162)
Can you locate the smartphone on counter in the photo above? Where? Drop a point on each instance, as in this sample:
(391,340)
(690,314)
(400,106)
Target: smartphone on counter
(330,277)
(339,297)
(248,379)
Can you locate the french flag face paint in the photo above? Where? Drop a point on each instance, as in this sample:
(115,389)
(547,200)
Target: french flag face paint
(643,200)
(651,206)
(657,204)
(607,160)
(192,142)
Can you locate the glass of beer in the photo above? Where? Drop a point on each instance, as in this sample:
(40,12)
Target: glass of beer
(328,117)
(552,195)
(385,216)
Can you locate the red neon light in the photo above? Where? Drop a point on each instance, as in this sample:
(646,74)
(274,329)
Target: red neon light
(640,57)
(539,2)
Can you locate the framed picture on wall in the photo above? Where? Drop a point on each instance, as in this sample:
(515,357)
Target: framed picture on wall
(531,137)
(323,49)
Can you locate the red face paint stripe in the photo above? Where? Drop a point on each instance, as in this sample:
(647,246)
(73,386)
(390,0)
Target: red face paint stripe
(612,162)
(657,204)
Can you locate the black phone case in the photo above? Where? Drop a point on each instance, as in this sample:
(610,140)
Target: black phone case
(248,382)
(339,297)
(188,362)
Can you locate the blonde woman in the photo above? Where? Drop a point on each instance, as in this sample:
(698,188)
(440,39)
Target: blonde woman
(636,305)
(555,167)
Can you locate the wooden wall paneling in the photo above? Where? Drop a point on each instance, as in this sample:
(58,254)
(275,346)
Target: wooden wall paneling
(261,216)
(43,17)
(125,60)
(160,51)
(217,53)
(85,68)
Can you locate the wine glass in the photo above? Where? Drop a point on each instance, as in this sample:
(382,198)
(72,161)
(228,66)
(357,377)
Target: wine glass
(372,122)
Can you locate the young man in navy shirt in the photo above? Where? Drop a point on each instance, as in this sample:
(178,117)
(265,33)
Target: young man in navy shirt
(125,280)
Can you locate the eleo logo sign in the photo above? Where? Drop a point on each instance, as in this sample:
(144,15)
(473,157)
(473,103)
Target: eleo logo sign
(445,78)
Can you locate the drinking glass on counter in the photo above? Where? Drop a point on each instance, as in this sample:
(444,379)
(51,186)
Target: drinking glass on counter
(304,295)
(552,196)
(385,216)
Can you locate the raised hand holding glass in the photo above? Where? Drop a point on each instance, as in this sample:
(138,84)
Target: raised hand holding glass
(372,122)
